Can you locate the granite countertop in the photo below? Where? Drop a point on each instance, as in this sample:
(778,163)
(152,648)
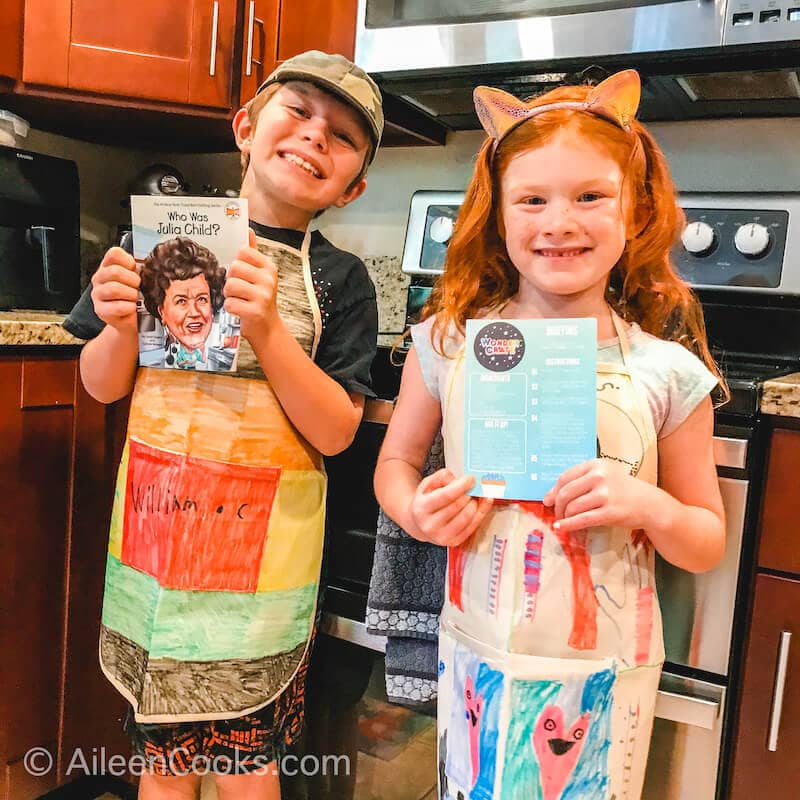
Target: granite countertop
(44,328)
(34,328)
(781,396)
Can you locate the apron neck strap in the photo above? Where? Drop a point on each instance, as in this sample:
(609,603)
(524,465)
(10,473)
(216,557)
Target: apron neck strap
(622,335)
(305,246)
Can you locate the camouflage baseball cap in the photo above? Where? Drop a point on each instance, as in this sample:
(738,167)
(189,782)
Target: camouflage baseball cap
(341,77)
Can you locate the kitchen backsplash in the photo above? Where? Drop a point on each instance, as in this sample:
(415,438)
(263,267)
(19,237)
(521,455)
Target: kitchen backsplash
(390,290)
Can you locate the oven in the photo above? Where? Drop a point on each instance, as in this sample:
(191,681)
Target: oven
(742,253)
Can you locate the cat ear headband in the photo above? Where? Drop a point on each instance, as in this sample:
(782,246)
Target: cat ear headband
(615,99)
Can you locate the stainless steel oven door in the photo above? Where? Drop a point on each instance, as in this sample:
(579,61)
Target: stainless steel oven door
(698,610)
(357,745)
(403,35)
(687,734)
(684,751)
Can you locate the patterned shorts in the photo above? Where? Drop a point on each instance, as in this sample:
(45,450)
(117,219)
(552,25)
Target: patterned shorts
(228,746)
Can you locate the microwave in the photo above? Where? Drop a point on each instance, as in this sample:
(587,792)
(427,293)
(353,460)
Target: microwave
(441,36)
(39,232)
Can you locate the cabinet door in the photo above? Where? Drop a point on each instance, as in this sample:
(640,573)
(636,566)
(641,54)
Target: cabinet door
(328,25)
(260,44)
(768,740)
(176,52)
(36,425)
(92,709)
(11,39)
(780,516)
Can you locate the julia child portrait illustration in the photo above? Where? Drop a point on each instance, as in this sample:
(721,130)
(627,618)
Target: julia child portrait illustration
(182,249)
(182,288)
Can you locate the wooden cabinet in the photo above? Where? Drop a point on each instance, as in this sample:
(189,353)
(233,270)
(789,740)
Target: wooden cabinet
(259,43)
(765,761)
(274,30)
(771,698)
(178,52)
(181,54)
(57,464)
(167,75)
(11,41)
(779,547)
(328,25)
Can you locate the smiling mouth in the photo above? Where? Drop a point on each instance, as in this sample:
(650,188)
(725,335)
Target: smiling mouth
(561,252)
(560,746)
(194,327)
(293,158)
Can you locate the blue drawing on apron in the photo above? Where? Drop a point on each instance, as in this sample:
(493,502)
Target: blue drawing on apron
(471,763)
(558,739)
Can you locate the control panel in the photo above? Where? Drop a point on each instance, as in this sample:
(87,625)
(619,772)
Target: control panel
(737,241)
(754,21)
(727,247)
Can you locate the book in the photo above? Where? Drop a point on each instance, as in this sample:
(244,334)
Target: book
(183,247)
(530,403)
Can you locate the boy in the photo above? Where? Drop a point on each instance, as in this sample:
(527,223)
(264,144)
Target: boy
(217,529)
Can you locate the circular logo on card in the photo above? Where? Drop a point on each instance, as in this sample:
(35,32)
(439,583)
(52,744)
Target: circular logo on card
(499,346)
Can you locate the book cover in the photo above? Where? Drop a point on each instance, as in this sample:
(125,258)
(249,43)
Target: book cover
(530,403)
(183,247)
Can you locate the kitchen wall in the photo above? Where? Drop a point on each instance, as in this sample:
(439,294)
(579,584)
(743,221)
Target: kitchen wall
(734,155)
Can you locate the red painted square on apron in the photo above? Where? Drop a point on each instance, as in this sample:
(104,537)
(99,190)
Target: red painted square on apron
(192,534)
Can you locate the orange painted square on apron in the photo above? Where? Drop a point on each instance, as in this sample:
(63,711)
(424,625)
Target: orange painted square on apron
(192,534)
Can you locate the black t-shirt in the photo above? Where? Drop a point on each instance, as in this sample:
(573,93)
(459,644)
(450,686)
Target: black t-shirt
(346,299)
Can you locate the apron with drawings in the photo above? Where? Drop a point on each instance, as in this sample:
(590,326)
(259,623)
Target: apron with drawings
(550,646)
(216,533)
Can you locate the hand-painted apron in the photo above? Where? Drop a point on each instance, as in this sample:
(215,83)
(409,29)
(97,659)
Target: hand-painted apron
(216,533)
(550,645)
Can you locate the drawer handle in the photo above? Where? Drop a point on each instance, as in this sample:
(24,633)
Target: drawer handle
(250,30)
(777,694)
(212,65)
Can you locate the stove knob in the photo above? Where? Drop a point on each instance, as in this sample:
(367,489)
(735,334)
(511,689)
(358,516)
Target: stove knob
(752,240)
(441,229)
(699,238)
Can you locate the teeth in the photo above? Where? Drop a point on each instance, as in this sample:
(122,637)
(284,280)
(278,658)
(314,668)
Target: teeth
(302,163)
(566,253)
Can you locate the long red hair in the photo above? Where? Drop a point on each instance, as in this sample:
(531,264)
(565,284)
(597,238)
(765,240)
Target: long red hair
(643,286)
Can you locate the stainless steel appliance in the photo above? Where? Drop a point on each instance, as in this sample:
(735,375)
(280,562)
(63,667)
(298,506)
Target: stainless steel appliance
(431,53)
(39,231)
(395,35)
(742,252)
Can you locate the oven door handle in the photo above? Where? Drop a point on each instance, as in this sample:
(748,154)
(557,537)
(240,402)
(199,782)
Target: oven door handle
(730,452)
(687,709)
(350,630)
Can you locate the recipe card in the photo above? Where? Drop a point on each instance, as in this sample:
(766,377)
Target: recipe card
(183,247)
(530,403)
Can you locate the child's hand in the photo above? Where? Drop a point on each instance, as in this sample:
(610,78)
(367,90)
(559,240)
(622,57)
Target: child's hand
(443,511)
(115,290)
(598,492)
(250,290)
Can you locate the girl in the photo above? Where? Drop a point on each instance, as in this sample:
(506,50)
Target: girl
(550,640)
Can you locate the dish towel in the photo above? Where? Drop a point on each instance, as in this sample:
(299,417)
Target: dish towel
(406,593)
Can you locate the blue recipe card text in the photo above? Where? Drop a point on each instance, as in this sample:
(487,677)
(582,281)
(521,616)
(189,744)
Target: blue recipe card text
(530,403)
